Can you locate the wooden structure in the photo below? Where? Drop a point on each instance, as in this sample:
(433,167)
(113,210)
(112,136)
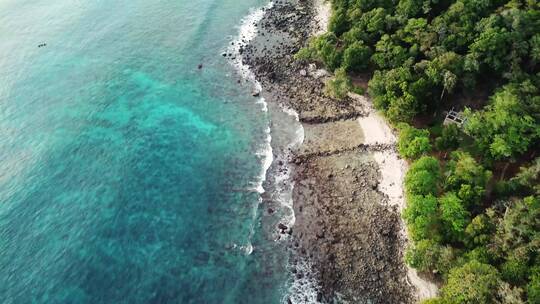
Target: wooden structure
(453,117)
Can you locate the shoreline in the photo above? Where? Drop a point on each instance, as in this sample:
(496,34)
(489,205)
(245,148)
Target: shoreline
(345,176)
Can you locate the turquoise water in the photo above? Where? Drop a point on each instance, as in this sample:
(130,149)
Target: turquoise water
(123,167)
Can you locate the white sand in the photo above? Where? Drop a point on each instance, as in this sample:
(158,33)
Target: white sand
(377,131)
(393,171)
(393,168)
(424,289)
(324,11)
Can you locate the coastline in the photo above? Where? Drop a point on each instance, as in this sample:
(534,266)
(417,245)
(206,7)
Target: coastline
(348,238)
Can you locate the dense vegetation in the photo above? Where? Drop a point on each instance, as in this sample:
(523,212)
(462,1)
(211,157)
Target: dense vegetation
(473,191)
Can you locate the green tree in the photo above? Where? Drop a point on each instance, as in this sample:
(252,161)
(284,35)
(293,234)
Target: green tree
(479,231)
(528,179)
(398,94)
(493,47)
(421,215)
(423,255)
(367,5)
(414,31)
(535,48)
(425,53)
(519,229)
(466,177)
(454,215)
(403,108)
(389,54)
(516,269)
(413,142)
(410,8)
(506,128)
(472,283)
(509,295)
(456,25)
(423,177)
(367,27)
(449,139)
(481,254)
(338,23)
(533,288)
(356,57)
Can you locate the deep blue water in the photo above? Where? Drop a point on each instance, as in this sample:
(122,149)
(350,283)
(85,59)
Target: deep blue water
(123,167)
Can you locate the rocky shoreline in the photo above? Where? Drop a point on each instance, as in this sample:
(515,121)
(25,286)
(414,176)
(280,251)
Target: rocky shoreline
(346,225)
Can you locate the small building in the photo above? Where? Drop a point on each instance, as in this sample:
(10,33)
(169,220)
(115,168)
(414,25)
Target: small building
(453,117)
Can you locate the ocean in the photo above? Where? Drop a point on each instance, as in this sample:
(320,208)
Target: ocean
(133,155)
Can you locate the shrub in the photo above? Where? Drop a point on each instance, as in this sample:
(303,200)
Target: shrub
(429,255)
(358,90)
(322,48)
(306,53)
(423,255)
(339,86)
(432,301)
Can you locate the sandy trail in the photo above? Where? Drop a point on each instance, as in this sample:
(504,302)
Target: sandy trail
(322,17)
(392,168)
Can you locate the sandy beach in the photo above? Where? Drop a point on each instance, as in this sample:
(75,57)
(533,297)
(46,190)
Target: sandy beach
(392,168)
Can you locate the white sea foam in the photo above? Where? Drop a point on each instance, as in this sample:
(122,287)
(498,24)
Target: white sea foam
(283,179)
(247,32)
(304,289)
(266,156)
(299,131)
